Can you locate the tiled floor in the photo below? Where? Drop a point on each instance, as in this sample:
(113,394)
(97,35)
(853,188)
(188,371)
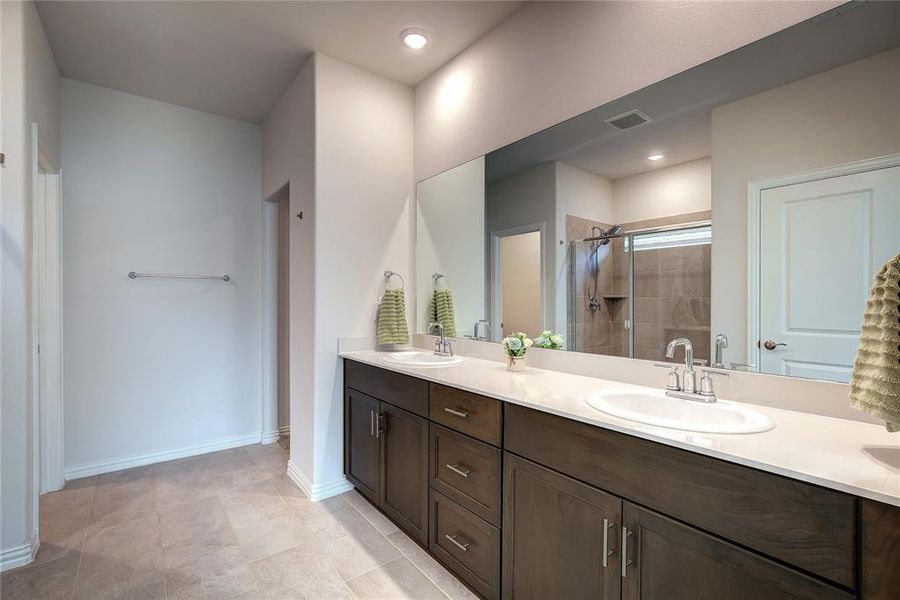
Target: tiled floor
(222,525)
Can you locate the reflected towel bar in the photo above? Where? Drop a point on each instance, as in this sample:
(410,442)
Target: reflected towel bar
(134,275)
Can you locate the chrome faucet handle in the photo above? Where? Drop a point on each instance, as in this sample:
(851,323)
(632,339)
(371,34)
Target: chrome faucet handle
(706,383)
(672,383)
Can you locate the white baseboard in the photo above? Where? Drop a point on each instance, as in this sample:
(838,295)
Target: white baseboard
(10,558)
(138,460)
(285,430)
(319,491)
(270,437)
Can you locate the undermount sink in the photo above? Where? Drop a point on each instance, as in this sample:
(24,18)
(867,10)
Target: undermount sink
(655,408)
(422,359)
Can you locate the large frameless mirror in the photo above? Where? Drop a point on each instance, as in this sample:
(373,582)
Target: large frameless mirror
(745,204)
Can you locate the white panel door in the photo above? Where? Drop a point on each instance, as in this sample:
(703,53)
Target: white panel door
(821,243)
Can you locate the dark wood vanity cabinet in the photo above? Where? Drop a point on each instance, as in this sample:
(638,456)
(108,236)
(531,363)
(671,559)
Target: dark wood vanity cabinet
(386,448)
(668,560)
(523,504)
(560,536)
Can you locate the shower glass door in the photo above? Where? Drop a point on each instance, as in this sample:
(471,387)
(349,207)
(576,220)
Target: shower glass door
(599,297)
(632,295)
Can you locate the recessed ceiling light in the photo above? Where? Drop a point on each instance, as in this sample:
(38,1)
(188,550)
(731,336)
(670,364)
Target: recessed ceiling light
(655,157)
(413,39)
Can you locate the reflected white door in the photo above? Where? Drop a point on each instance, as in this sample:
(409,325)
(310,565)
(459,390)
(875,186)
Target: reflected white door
(821,243)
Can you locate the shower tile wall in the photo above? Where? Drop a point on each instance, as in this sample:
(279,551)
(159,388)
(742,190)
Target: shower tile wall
(671,294)
(601,331)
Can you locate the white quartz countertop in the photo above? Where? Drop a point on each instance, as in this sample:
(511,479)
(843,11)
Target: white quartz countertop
(849,456)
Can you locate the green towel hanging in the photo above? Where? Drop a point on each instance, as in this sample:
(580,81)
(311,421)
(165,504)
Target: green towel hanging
(441,311)
(391,321)
(875,382)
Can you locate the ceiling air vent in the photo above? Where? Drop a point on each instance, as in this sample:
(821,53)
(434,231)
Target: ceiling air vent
(627,120)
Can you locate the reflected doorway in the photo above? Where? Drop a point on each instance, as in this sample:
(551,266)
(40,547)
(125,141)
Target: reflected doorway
(517,287)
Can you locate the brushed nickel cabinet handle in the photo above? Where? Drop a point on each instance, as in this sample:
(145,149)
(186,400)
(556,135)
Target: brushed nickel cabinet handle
(625,562)
(461,471)
(457,412)
(458,544)
(606,551)
(378,428)
(372,423)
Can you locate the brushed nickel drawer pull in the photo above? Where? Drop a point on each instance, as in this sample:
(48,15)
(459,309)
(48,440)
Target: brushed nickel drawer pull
(606,551)
(372,423)
(625,562)
(463,472)
(456,412)
(460,545)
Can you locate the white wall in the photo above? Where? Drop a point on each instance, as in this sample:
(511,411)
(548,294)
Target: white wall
(450,240)
(843,115)
(158,365)
(30,93)
(342,137)
(551,61)
(522,199)
(288,157)
(664,192)
(364,188)
(583,194)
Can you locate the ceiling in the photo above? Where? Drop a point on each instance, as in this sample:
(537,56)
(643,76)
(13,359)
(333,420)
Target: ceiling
(681,106)
(236,58)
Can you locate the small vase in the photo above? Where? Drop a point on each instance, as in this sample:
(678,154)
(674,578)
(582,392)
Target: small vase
(516,364)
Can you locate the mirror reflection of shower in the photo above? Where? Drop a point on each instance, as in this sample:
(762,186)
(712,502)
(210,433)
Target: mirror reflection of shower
(599,239)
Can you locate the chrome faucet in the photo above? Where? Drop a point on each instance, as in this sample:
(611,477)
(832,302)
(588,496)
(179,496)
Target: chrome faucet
(689,379)
(487,324)
(721,344)
(442,345)
(687,388)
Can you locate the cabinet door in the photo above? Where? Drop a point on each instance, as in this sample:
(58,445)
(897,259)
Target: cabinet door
(560,536)
(668,560)
(362,448)
(404,475)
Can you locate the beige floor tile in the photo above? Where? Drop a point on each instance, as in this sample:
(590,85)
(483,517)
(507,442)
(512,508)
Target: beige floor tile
(121,571)
(396,580)
(190,522)
(372,514)
(302,573)
(265,537)
(438,575)
(207,572)
(49,580)
(223,525)
(353,555)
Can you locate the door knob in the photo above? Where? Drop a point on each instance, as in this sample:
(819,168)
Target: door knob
(772,344)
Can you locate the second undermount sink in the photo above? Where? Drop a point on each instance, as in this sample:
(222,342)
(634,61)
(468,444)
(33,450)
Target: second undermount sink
(422,359)
(653,407)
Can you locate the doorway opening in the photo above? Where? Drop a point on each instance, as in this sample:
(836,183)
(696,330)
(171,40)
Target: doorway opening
(276,292)
(517,287)
(47,321)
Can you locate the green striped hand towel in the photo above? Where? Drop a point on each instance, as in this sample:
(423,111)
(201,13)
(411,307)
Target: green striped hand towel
(441,311)
(391,321)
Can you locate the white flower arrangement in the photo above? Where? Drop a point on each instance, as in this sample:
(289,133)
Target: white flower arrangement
(516,344)
(549,340)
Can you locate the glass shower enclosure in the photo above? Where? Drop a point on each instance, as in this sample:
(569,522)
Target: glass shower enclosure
(629,294)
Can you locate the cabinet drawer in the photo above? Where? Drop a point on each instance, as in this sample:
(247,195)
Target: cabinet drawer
(467,545)
(469,413)
(807,526)
(400,390)
(466,470)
